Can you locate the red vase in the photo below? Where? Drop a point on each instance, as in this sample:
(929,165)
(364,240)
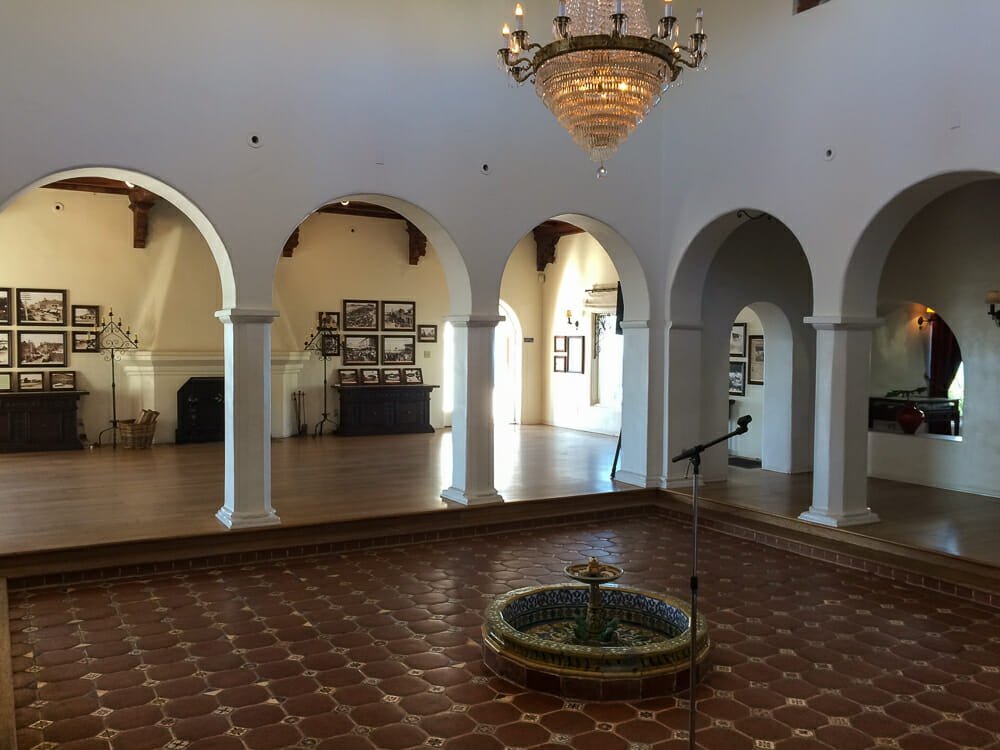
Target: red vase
(910,417)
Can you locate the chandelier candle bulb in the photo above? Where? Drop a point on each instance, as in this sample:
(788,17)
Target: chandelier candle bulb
(669,11)
(562,8)
(519,17)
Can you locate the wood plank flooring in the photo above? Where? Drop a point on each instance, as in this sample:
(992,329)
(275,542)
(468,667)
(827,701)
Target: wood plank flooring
(72,499)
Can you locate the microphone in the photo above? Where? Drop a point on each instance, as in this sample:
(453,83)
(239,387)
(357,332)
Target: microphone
(742,422)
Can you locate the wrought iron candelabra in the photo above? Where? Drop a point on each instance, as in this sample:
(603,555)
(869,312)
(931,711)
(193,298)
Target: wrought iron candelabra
(112,340)
(325,342)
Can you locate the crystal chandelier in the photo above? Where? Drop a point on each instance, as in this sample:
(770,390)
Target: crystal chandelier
(604,71)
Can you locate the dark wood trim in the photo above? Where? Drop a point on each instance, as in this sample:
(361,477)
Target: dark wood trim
(141,202)
(91,185)
(290,244)
(547,236)
(418,243)
(360,208)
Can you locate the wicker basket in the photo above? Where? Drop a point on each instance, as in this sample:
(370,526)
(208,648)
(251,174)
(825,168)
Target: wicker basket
(136,435)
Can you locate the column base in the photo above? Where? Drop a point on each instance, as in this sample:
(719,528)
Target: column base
(851,519)
(455,495)
(637,480)
(238,520)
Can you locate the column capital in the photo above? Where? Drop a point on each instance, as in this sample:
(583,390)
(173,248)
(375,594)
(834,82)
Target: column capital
(640,324)
(686,325)
(236,315)
(474,321)
(843,322)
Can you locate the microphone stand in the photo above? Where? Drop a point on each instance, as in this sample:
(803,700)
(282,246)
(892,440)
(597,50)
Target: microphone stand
(694,456)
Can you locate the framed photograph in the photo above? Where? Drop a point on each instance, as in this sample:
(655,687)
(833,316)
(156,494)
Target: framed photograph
(41,307)
(360,315)
(738,340)
(413,376)
(427,333)
(392,376)
(399,350)
(41,348)
(85,342)
(559,363)
(348,377)
(361,350)
(5,306)
(559,343)
(31,381)
(5,360)
(6,381)
(574,353)
(755,360)
(329,344)
(399,316)
(370,376)
(85,315)
(63,380)
(329,320)
(737,378)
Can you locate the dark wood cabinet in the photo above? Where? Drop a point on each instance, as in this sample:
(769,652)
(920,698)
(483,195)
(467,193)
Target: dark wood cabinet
(384,409)
(39,421)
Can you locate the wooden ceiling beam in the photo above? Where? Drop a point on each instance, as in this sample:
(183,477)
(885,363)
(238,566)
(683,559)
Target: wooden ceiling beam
(547,236)
(141,201)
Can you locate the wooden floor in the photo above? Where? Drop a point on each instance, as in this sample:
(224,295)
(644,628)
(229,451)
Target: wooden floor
(73,499)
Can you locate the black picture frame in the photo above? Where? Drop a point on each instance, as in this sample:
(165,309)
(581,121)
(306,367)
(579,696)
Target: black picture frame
(427,333)
(369,376)
(62,380)
(348,377)
(361,350)
(5,306)
(738,340)
(84,342)
(392,376)
(413,376)
(328,319)
(84,316)
(41,307)
(30,381)
(559,344)
(360,315)
(42,349)
(559,363)
(399,350)
(737,377)
(399,316)
(6,349)
(329,344)
(6,382)
(755,360)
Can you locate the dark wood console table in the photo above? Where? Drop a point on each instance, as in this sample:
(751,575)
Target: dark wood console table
(39,421)
(384,409)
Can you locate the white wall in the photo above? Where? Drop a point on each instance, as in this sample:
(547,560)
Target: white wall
(899,349)
(521,288)
(947,258)
(581,264)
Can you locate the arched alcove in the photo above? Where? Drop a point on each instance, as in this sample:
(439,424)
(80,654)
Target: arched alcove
(743,258)
(936,272)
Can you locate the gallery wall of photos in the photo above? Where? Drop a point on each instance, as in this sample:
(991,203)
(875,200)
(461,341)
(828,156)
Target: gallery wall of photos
(376,332)
(38,330)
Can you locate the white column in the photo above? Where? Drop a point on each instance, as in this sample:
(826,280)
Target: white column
(840,464)
(641,396)
(472,419)
(247,499)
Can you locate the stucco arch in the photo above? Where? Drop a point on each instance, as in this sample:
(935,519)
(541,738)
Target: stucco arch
(687,281)
(169,193)
(864,269)
(455,268)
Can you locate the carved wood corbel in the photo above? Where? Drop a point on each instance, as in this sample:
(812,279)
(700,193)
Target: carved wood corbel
(418,243)
(546,239)
(140,201)
(290,244)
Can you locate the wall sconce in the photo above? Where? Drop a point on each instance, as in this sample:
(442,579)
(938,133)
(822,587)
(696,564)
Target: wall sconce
(576,323)
(993,299)
(931,316)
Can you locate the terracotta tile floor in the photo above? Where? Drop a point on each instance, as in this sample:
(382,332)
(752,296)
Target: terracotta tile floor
(382,650)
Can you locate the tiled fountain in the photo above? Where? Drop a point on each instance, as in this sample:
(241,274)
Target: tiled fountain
(593,640)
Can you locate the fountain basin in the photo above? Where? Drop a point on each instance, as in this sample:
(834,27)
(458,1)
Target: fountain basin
(528,639)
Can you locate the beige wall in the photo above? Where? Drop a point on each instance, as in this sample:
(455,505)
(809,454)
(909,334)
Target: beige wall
(167,293)
(522,288)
